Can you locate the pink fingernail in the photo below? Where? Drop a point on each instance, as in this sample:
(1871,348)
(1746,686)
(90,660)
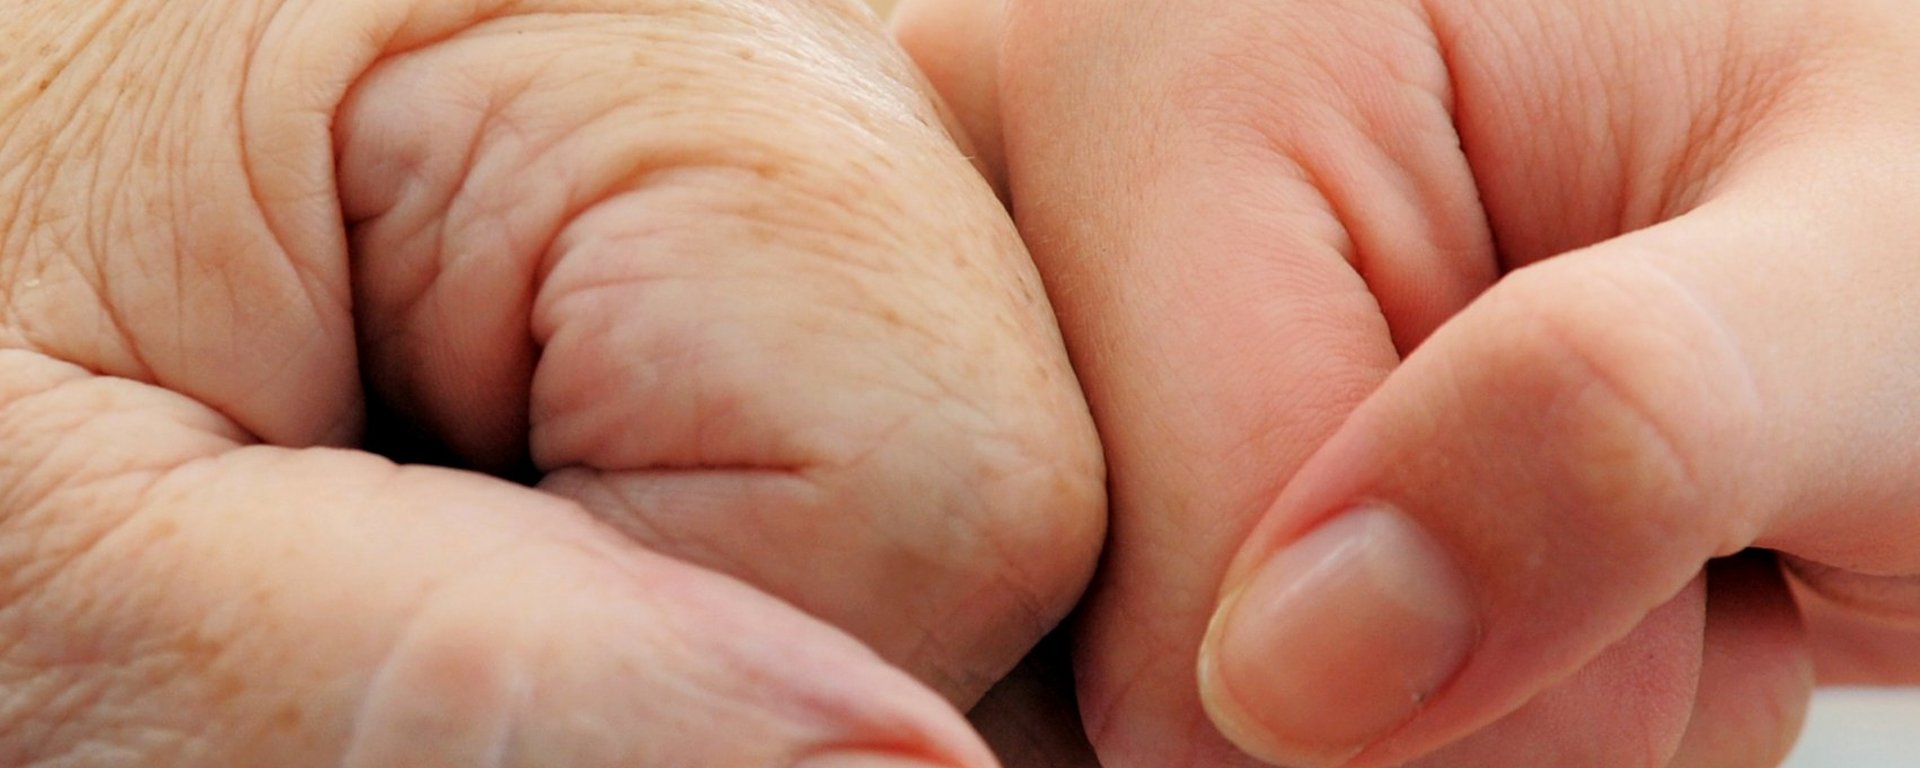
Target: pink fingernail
(1336,640)
(863,760)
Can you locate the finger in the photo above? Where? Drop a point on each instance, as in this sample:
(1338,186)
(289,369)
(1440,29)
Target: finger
(1756,676)
(1202,255)
(764,318)
(1644,684)
(1570,450)
(1893,598)
(956,43)
(177,598)
(231,287)
(1743,673)
(1852,648)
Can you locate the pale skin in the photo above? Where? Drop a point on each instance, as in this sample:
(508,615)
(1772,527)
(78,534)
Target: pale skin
(811,468)
(795,406)
(1442,351)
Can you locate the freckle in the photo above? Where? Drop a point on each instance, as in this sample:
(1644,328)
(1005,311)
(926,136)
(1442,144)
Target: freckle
(199,646)
(227,688)
(45,84)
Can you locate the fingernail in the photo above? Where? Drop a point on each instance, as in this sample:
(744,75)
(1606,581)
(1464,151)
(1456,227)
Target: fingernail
(863,760)
(1337,640)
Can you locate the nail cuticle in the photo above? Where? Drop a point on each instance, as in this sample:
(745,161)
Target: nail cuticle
(1366,610)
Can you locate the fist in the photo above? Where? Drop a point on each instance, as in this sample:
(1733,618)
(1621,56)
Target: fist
(710,276)
(1450,355)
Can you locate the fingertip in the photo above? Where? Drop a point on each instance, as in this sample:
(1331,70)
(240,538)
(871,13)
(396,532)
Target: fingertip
(1336,639)
(865,760)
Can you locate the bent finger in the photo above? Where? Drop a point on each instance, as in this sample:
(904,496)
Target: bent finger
(177,598)
(1756,676)
(765,317)
(1619,709)
(1572,449)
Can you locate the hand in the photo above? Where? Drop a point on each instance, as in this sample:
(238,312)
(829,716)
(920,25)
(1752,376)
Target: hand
(1507,550)
(713,269)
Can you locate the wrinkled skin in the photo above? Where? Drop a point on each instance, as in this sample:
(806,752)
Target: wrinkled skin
(714,270)
(1519,317)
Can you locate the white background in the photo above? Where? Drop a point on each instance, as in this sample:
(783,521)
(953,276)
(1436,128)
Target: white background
(1861,729)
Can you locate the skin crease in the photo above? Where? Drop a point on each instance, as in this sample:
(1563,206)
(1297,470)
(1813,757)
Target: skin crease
(1273,232)
(713,269)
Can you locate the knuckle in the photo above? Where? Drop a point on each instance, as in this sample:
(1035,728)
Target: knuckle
(1006,518)
(1046,505)
(1024,486)
(1291,75)
(1638,388)
(446,692)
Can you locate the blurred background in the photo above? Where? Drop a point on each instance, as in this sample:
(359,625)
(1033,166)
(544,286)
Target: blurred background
(1848,728)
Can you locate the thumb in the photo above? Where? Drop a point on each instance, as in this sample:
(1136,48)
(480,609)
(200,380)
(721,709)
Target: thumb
(1562,458)
(174,597)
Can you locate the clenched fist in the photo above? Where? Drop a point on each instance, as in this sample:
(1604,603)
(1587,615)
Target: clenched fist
(712,269)
(1449,353)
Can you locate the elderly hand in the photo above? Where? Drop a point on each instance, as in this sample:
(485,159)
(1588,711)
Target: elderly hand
(712,268)
(1448,354)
